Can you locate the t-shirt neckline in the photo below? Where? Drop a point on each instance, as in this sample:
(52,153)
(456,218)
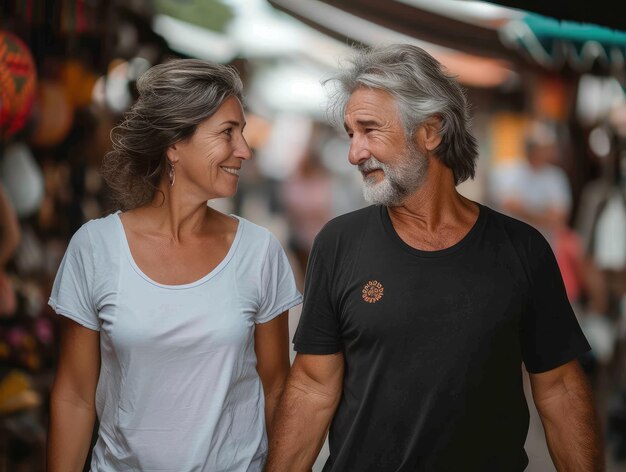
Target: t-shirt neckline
(195,283)
(464,241)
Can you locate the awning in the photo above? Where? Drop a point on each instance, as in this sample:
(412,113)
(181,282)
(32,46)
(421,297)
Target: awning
(555,44)
(446,23)
(473,28)
(371,22)
(599,12)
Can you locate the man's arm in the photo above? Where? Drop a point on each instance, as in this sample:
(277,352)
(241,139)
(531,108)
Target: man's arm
(564,401)
(304,413)
(271,344)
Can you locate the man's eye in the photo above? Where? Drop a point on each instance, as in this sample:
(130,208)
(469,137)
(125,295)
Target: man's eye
(228,131)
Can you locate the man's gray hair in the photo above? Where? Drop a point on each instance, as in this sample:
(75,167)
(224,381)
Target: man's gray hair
(422,89)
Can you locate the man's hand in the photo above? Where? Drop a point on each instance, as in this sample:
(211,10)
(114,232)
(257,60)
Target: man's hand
(304,413)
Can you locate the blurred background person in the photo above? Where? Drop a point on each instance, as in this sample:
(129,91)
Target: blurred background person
(537,190)
(307,196)
(534,189)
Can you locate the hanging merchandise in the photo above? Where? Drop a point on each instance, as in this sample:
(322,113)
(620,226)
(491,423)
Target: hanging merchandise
(610,234)
(80,16)
(78,82)
(22,179)
(17,84)
(30,12)
(53,115)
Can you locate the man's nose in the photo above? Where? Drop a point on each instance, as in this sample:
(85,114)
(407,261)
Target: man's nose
(358,151)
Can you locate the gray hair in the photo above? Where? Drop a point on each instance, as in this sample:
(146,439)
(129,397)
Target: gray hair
(174,98)
(422,89)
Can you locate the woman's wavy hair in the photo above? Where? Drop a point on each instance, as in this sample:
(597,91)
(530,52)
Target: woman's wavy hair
(174,98)
(422,89)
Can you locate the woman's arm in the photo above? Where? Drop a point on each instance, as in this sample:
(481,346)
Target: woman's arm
(72,402)
(271,343)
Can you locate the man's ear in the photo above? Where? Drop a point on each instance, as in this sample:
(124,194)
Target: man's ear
(428,133)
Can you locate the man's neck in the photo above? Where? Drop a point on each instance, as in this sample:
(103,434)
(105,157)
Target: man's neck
(436,216)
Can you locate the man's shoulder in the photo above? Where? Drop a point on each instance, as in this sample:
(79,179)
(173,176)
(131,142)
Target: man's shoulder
(517,232)
(349,223)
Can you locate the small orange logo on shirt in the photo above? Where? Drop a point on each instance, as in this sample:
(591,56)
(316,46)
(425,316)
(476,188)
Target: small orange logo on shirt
(372,291)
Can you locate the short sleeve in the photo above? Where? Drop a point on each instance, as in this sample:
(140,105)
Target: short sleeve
(278,286)
(318,330)
(72,292)
(550,334)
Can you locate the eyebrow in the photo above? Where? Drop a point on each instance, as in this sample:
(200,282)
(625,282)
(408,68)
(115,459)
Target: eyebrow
(234,123)
(363,124)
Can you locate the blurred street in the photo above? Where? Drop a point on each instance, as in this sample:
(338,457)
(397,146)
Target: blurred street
(548,105)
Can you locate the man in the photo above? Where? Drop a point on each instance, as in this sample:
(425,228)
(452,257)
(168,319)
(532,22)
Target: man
(533,189)
(420,309)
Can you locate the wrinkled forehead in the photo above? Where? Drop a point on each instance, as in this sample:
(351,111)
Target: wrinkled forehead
(370,96)
(370,104)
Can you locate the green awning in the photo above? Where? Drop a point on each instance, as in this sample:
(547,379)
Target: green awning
(557,44)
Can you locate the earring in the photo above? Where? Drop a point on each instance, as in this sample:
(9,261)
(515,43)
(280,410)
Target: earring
(171,174)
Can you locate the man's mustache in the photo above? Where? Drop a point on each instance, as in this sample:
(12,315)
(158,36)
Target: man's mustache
(370,165)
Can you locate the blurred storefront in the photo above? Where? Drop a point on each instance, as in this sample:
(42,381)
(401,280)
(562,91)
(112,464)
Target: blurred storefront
(68,71)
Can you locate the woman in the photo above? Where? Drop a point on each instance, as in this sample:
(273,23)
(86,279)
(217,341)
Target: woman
(175,315)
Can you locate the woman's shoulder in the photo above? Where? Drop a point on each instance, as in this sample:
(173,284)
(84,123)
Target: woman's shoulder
(105,224)
(96,232)
(257,238)
(247,226)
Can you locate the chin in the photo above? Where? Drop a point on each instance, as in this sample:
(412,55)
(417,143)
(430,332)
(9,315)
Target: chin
(382,193)
(223,192)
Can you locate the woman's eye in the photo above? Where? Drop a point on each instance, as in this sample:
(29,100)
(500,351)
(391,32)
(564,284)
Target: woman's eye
(228,131)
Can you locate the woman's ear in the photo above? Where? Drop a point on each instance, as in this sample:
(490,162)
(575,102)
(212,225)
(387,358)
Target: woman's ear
(428,134)
(171,154)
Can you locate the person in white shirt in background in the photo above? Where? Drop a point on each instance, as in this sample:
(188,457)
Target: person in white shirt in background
(536,190)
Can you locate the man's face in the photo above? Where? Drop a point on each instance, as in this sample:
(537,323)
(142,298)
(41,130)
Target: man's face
(392,167)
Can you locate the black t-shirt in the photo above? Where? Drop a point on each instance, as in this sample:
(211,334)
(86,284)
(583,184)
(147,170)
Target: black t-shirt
(433,341)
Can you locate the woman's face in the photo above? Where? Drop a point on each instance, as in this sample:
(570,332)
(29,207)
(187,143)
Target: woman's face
(208,163)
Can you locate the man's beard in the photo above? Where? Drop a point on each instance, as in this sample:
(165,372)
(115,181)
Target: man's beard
(399,181)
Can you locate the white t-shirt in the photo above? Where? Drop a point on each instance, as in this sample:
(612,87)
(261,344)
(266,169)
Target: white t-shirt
(178,387)
(536,189)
